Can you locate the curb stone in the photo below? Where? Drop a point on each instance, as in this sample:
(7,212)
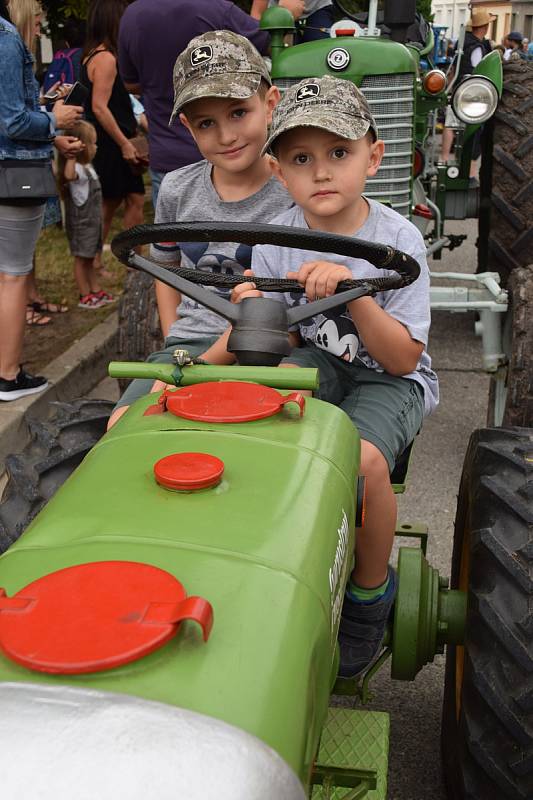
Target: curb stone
(72,374)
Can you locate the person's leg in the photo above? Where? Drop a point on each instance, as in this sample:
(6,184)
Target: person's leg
(13,299)
(373,543)
(134,210)
(447,142)
(19,231)
(83,274)
(109,207)
(388,412)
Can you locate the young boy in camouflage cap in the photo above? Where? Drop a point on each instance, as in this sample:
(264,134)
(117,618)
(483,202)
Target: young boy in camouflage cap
(371,354)
(224,97)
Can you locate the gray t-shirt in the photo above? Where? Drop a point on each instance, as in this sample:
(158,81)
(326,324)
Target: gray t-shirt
(188,195)
(310,6)
(335,331)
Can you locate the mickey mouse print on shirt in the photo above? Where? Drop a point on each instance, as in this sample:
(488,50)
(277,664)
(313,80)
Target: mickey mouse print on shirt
(336,333)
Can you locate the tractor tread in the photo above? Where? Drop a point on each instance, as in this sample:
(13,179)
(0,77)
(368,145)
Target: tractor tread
(507,177)
(488,751)
(507,210)
(55,449)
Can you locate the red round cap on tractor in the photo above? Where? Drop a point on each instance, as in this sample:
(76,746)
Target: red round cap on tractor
(229,401)
(187,472)
(96,616)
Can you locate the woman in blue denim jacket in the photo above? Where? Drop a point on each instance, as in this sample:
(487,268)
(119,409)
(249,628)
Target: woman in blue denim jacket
(26,133)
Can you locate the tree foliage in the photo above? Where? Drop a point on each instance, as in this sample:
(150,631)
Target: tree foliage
(56,13)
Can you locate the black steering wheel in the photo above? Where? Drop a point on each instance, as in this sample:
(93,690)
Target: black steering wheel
(261,325)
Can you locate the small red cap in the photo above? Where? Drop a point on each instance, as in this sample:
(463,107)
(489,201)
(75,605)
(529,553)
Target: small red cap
(187,472)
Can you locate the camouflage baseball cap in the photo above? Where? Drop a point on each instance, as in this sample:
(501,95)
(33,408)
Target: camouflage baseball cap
(217,64)
(333,104)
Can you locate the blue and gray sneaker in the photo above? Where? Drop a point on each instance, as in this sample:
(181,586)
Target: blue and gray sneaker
(362,630)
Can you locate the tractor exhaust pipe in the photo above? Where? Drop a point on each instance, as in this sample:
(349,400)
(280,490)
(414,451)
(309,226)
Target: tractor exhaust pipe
(399,15)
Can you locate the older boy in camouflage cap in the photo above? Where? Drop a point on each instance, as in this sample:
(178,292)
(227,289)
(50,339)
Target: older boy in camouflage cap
(370,354)
(224,97)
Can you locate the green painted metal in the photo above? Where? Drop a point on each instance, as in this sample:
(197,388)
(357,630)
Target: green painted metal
(368,57)
(286,378)
(353,737)
(414,530)
(426,615)
(360,687)
(489,67)
(275,19)
(268,547)
(278,22)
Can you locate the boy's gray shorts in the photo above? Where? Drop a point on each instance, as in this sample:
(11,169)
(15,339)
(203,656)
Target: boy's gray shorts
(141,386)
(387,410)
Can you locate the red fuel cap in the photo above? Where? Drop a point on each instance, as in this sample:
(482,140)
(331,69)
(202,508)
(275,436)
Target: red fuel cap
(96,616)
(228,401)
(187,472)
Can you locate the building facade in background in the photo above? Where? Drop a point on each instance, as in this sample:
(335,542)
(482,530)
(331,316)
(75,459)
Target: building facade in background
(450,14)
(515,16)
(522,18)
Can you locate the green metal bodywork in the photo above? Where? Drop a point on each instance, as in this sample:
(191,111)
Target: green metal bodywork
(368,57)
(261,547)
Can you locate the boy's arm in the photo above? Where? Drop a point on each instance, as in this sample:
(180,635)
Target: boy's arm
(386,339)
(218,352)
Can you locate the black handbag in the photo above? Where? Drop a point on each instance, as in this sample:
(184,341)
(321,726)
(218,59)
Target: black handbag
(32,179)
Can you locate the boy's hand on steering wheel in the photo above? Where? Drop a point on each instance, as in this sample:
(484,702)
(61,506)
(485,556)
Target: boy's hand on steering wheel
(320,278)
(245,289)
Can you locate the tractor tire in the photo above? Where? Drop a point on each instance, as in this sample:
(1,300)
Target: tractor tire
(487,723)
(511,389)
(506,229)
(56,447)
(139,330)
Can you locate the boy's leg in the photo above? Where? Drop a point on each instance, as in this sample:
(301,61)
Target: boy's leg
(388,413)
(84,275)
(374,542)
(140,386)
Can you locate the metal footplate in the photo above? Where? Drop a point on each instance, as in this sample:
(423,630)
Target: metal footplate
(353,757)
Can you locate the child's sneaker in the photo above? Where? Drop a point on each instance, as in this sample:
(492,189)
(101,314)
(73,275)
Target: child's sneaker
(21,386)
(105,297)
(91,301)
(362,629)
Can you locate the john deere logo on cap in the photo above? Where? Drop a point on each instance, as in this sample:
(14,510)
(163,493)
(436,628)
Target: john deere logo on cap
(308,90)
(201,55)
(339,58)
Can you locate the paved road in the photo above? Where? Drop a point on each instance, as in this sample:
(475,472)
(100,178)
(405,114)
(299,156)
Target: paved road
(415,707)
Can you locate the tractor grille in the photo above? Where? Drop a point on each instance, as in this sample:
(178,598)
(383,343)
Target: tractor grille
(390,98)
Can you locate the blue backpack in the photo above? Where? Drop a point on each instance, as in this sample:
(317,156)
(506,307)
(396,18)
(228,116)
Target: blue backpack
(65,67)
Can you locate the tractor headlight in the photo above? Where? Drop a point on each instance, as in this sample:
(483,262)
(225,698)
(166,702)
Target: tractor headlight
(475,100)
